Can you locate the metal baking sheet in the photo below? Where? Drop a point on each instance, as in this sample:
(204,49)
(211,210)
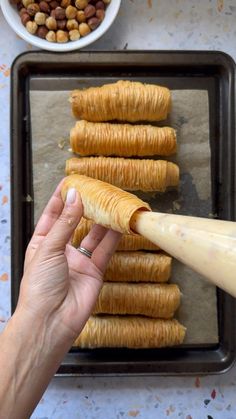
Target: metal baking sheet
(206,77)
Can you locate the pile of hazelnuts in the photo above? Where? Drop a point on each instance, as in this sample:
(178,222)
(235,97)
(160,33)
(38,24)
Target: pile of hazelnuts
(61,20)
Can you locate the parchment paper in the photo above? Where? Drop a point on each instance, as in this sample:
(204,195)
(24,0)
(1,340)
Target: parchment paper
(190,117)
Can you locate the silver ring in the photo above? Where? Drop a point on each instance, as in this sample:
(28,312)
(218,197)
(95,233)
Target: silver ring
(85,252)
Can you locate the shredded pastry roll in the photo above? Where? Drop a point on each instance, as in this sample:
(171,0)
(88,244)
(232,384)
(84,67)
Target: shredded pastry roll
(123,100)
(129,174)
(127,242)
(104,203)
(130,332)
(138,267)
(152,300)
(89,138)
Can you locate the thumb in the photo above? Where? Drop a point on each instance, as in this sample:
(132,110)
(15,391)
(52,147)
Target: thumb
(61,232)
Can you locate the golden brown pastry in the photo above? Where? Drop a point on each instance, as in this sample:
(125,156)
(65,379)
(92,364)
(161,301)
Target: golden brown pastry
(129,174)
(130,332)
(104,203)
(152,300)
(89,138)
(123,100)
(127,242)
(135,242)
(138,267)
(81,231)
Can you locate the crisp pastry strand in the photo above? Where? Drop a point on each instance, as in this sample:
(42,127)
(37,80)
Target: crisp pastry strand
(89,138)
(152,300)
(129,174)
(138,267)
(130,332)
(104,203)
(124,100)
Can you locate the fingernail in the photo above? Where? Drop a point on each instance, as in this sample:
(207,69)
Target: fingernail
(71,196)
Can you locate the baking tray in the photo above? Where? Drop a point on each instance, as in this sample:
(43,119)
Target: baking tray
(211,71)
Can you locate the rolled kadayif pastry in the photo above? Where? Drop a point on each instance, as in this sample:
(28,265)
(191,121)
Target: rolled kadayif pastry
(130,332)
(127,242)
(104,203)
(89,138)
(138,267)
(129,174)
(152,300)
(123,100)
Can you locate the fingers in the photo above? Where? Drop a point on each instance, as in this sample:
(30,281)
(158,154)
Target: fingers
(62,229)
(93,238)
(50,213)
(104,251)
(102,243)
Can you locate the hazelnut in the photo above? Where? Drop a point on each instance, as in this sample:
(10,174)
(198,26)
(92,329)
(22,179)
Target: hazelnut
(81,16)
(62,36)
(89,11)
(25,17)
(60,13)
(54,4)
(51,23)
(100,14)
(40,18)
(44,7)
(51,36)
(31,27)
(93,23)
(74,35)
(26,3)
(84,29)
(72,24)
(22,11)
(81,4)
(42,32)
(61,24)
(53,13)
(100,5)
(19,6)
(32,9)
(71,12)
(65,3)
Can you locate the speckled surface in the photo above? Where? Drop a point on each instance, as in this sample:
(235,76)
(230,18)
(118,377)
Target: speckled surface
(156,24)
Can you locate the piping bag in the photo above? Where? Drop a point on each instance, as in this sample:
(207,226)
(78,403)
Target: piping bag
(207,246)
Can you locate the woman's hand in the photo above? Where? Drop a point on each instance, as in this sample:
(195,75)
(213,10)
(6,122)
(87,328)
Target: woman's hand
(57,294)
(58,280)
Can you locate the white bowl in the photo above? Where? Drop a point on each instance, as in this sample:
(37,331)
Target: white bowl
(11,14)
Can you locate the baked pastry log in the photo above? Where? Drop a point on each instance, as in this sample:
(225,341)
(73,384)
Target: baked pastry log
(123,100)
(130,332)
(127,242)
(138,267)
(104,203)
(89,138)
(152,300)
(129,174)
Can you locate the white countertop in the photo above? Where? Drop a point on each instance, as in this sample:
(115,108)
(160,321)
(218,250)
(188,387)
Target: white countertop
(145,25)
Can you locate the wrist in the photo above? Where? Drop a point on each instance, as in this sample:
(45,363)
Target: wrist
(31,352)
(45,332)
